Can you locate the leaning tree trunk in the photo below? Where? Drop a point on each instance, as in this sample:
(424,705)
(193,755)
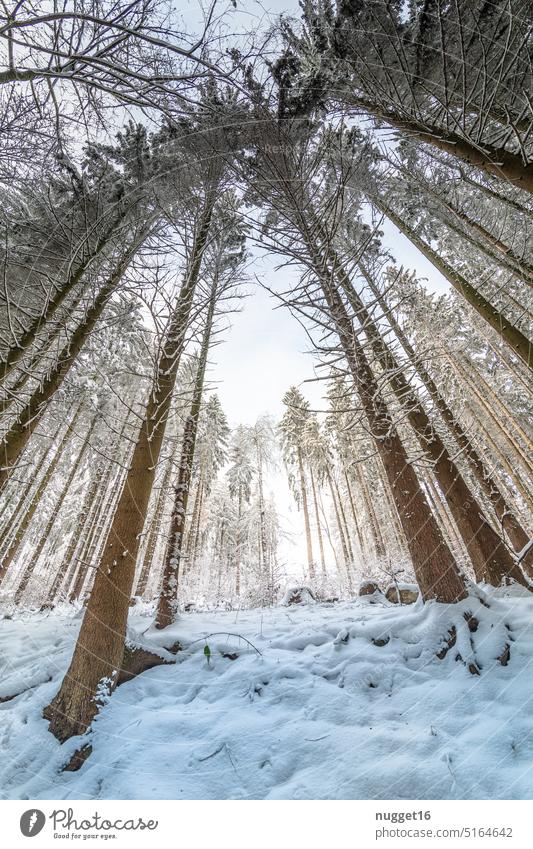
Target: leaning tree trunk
(491,559)
(12,523)
(483,240)
(167,607)
(510,524)
(497,162)
(54,303)
(435,568)
(16,438)
(100,646)
(28,572)
(512,335)
(13,548)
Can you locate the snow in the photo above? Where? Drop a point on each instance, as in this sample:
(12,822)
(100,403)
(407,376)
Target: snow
(310,708)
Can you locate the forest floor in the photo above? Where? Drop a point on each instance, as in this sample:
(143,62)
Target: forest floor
(322,712)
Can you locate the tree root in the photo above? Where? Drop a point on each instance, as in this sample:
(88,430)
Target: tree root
(137,660)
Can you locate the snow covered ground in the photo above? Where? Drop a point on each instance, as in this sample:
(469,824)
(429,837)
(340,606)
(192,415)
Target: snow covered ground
(323,712)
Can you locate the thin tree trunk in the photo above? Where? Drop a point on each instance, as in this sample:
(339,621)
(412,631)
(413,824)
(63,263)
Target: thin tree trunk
(12,522)
(55,512)
(100,646)
(435,568)
(305,510)
(508,520)
(155,530)
(344,546)
(167,607)
(13,549)
(374,524)
(353,510)
(15,440)
(491,559)
(344,523)
(318,525)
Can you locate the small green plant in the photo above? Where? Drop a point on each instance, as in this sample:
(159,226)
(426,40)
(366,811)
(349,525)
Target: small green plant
(207,653)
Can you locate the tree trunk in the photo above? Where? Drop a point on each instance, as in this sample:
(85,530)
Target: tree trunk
(342,538)
(99,649)
(155,530)
(512,335)
(167,607)
(28,419)
(494,161)
(55,512)
(12,551)
(491,559)
(374,524)
(508,520)
(12,521)
(53,304)
(318,525)
(353,511)
(435,568)
(305,510)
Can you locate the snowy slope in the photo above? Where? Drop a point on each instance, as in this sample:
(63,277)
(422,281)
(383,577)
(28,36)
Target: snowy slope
(322,712)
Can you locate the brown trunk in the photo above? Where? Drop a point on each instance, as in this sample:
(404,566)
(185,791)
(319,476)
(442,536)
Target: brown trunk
(512,335)
(491,559)
(354,511)
(100,644)
(435,568)
(190,542)
(54,303)
(508,520)
(494,161)
(167,607)
(493,195)
(12,551)
(344,523)
(29,418)
(374,524)
(12,519)
(484,240)
(155,530)
(55,513)
(344,547)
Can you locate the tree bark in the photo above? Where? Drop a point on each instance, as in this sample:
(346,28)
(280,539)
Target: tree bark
(496,162)
(167,607)
(28,572)
(435,568)
(318,525)
(510,524)
(305,510)
(28,419)
(512,335)
(99,649)
(491,559)
(12,551)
